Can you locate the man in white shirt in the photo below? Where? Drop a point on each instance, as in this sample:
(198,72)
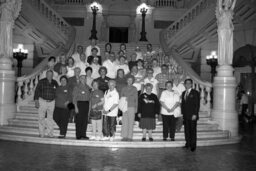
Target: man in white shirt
(111,66)
(82,64)
(76,55)
(110,111)
(170,102)
(95,68)
(88,51)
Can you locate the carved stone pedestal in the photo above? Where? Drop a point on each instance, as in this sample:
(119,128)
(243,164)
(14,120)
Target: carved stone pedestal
(224,96)
(7,91)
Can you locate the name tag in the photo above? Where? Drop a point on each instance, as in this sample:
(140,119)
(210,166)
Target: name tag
(106,81)
(83,92)
(54,87)
(97,96)
(65,91)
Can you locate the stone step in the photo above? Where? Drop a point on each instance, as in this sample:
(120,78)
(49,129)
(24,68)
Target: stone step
(27,112)
(31,123)
(158,135)
(114,145)
(35,118)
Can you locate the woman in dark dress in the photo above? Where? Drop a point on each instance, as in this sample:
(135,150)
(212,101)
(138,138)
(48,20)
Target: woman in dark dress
(148,108)
(61,112)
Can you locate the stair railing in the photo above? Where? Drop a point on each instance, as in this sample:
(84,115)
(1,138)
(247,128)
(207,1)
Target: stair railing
(187,18)
(26,84)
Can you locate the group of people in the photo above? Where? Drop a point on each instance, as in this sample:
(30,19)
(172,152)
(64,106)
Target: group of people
(112,87)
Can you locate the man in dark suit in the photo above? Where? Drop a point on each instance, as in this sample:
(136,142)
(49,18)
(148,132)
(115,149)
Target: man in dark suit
(190,105)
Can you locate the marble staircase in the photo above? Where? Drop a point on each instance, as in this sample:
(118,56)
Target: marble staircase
(24,127)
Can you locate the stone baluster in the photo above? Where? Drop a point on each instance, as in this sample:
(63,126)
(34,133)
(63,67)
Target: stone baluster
(202,95)
(26,89)
(19,92)
(208,102)
(31,86)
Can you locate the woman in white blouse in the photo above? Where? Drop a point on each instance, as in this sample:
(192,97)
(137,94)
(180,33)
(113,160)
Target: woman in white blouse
(170,102)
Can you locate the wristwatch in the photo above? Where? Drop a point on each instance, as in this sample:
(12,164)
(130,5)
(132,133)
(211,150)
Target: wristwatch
(109,110)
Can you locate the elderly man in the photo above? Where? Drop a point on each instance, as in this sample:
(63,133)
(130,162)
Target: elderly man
(45,101)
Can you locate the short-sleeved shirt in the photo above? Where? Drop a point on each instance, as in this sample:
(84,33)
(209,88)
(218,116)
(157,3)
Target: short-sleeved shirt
(111,98)
(169,98)
(152,81)
(96,97)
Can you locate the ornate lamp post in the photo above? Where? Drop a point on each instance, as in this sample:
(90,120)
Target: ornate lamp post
(212,60)
(95,9)
(20,54)
(143,32)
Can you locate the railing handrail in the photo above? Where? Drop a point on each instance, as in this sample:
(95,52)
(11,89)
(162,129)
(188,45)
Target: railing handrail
(50,9)
(186,13)
(188,70)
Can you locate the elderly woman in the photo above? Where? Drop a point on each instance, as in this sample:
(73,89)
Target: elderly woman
(110,111)
(103,79)
(81,98)
(147,109)
(129,92)
(61,112)
(170,102)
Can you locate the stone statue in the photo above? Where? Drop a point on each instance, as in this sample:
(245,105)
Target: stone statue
(9,11)
(224,14)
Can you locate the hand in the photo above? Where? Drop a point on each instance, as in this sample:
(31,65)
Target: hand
(194,117)
(104,111)
(169,110)
(94,106)
(139,115)
(37,105)
(76,109)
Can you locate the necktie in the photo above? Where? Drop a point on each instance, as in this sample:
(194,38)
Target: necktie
(186,94)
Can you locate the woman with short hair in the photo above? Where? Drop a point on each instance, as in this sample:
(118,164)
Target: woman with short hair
(147,110)
(170,102)
(61,112)
(129,92)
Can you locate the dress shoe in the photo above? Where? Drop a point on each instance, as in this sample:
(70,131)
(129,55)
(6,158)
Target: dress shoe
(172,139)
(151,139)
(85,137)
(164,139)
(78,138)
(143,139)
(61,136)
(193,149)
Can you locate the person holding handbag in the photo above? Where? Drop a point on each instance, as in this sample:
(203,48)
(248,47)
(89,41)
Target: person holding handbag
(96,107)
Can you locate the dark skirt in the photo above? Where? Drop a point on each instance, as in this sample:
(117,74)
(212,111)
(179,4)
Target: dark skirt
(147,123)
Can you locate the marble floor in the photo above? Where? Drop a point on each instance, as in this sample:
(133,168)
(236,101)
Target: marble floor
(28,156)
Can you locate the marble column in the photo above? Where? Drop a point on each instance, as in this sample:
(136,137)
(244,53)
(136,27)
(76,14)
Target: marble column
(224,100)
(9,11)
(224,85)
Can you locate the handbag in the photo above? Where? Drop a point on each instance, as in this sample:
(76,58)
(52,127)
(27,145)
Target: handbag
(95,114)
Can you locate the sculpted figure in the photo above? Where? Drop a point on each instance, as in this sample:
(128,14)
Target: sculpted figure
(9,11)
(224,14)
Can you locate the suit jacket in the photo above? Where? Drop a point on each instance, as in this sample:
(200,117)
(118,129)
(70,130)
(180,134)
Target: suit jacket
(191,105)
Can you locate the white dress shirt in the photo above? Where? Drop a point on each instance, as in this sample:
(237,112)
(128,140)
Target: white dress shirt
(111,68)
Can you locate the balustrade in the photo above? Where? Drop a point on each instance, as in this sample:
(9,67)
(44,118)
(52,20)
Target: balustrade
(185,19)
(50,14)
(26,85)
